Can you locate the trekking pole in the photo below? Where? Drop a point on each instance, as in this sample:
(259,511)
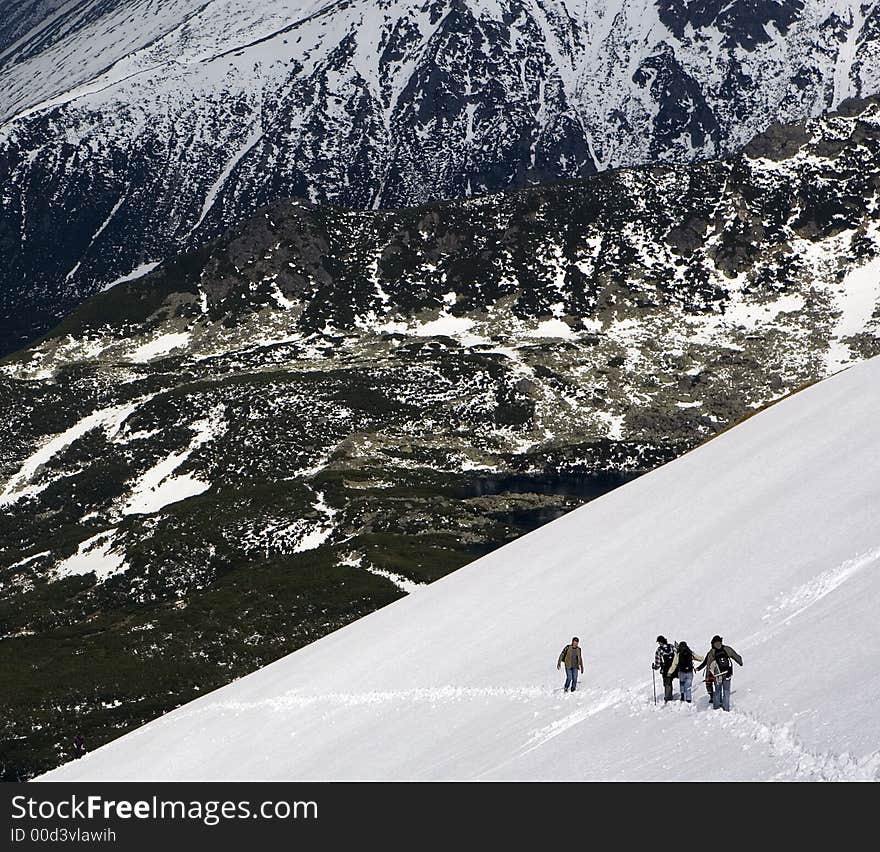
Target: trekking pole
(654,681)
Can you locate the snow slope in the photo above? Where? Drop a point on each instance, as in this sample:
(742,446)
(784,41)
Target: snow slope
(768,534)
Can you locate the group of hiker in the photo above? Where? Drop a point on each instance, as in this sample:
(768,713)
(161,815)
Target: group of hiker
(676,660)
(672,660)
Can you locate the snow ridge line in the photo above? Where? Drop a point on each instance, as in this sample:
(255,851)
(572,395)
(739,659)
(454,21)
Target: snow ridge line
(796,761)
(804,596)
(357,699)
(802,763)
(85,87)
(789,606)
(607,699)
(292,700)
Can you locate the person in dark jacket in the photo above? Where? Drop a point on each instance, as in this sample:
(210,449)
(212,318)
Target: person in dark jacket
(719,666)
(79,745)
(663,663)
(683,667)
(574,661)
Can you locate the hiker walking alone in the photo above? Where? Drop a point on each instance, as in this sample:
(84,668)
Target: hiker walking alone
(720,668)
(663,664)
(574,661)
(683,666)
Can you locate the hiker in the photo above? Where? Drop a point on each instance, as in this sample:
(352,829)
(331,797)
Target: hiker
(573,658)
(709,681)
(79,745)
(719,666)
(683,666)
(663,663)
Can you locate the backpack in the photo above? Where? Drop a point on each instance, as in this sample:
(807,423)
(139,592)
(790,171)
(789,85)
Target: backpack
(722,664)
(667,654)
(685,659)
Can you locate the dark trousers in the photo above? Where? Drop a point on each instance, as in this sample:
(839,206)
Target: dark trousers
(667,688)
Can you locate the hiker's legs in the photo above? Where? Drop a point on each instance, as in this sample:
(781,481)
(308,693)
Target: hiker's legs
(574,679)
(567,677)
(685,679)
(724,687)
(667,688)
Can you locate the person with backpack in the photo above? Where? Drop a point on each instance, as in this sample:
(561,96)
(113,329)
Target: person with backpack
(574,661)
(683,666)
(663,663)
(719,666)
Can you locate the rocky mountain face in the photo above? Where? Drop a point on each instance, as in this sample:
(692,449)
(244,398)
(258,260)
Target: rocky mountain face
(299,422)
(134,129)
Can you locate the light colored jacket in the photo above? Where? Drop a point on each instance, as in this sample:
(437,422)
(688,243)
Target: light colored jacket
(571,657)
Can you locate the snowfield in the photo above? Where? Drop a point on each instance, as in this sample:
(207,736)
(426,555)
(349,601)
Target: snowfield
(768,535)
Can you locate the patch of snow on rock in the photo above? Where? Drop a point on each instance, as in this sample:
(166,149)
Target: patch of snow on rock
(94,555)
(551,328)
(162,345)
(109,419)
(159,487)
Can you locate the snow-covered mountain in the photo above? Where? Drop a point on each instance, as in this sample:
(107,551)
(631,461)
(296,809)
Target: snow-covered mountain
(134,128)
(263,440)
(768,535)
